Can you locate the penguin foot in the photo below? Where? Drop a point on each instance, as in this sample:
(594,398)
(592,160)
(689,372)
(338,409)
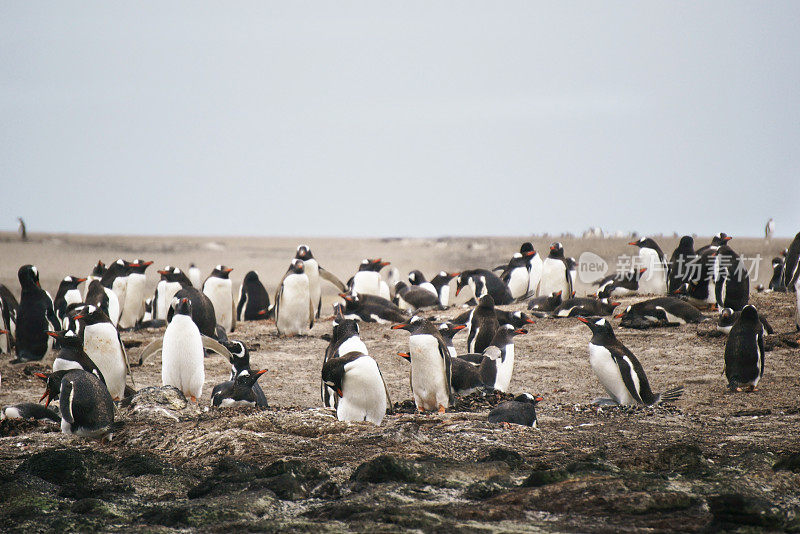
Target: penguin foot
(194,399)
(442,409)
(506,425)
(420,409)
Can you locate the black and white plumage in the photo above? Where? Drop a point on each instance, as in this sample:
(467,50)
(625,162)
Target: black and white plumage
(584,307)
(72,356)
(482,325)
(360,388)
(700,283)
(203,313)
(448,330)
(102,343)
(34,315)
(516,275)
(618,370)
(29,410)
(133,306)
(294,313)
(345,338)
(555,273)
(371,309)
(521,410)
(253,303)
(545,303)
(86,407)
(619,283)
(97,274)
(660,311)
(441,282)
(9,307)
(484,282)
(791,270)
(416,278)
(367,280)
(732,282)
(431,373)
(728,317)
(654,280)
(678,264)
(744,351)
(115,282)
(777,283)
(240,361)
(172,281)
(415,297)
(239,391)
(218,287)
(496,362)
(68,293)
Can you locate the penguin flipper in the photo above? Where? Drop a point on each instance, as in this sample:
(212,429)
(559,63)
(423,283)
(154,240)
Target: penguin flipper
(389,405)
(216,346)
(125,357)
(65,406)
(233,316)
(330,277)
(626,370)
(150,349)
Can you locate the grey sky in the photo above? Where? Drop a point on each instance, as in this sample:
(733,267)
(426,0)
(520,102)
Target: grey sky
(403,118)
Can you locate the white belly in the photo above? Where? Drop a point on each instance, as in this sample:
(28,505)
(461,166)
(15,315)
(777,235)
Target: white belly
(428,380)
(113,306)
(364,393)
(133,309)
(384,291)
(182,356)
(609,375)
(170,288)
(195,277)
(314,289)
(352,344)
(444,295)
(654,280)
(518,282)
(293,311)
(505,370)
(554,278)
(73,296)
(428,287)
(367,283)
(120,287)
(101,344)
(60,364)
(220,292)
(535,275)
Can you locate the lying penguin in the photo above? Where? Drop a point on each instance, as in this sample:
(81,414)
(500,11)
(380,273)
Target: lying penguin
(371,309)
(545,303)
(29,411)
(238,392)
(584,307)
(84,402)
(521,410)
(660,311)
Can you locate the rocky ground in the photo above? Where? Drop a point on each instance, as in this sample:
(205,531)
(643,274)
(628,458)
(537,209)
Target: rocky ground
(713,461)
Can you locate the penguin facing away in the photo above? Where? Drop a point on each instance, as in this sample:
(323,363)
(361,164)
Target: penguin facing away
(618,370)
(678,264)
(34,314)
(68,293)
(744,351)
(253,299)
(483,325)
(357,381)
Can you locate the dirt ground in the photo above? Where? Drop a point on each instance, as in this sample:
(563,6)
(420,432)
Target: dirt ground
(713,461)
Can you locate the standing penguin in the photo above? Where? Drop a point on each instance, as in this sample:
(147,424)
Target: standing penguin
(516,275)
(86,407)
(315,272)
(68,293)
(732,284)
(115,280)
(9,308)
(744,351)
(441,282)
(195,277)
(791,269)
(219,289)
(484,282)
(776,283)
(654,280)
(133,307)
(357,381)
(367,280)
(482,325)
(430,365)
(497,364)
(172,281)
(618,370)
(294,313)
(535,265)
(72,356)
(35,312)
(345,338)
(253,299)
(555,275)
(97,274)
(102,344)
(521,410)
(678,264)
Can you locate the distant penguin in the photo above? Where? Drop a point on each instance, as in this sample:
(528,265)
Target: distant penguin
(97,274)
(535,265)
(72,356)
(679,262)
(133,307)
(219,288)
(654,280)
(240,361)
(367,280)
(29,411)
(102,344)
(86,407)
(521,410)
(732,285)
(619,283)
(195,276)
(68,293)
(431,373)
(584,307)
(660,311)
(253,299)
(415,297)
(9,308)
(483,325)
(441,282)
(357,381)
(618,370)
(484,282)
(237,392)
(555,275)
(294,313)
(115,280)
(516,275)
(418,279)
(776,283)
(371,309)
(34,314)
(545,303)
(744,351)
(497,364)
(791,270)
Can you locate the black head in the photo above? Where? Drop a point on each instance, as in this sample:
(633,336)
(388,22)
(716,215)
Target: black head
(571,263)
(90,315)
(720,239)
(67,338)
(221,271)
(250,277)
(416,277)
(184,307)
(777,263)
(527,397)
(556,250)
(52,385)
(749,313)
(521,318)
(28,277)
(372,264)
(71,282)
(449,330)
(238,350)
(139,265)
(247,379)
(555,298)
(304,253)
(297,267)
(645,242)
(486,302)
(599,326)
(417,325)
(518,260)
(99,269)
(166,272)
(443,277)
(527,249)
(686,243)
(352,301)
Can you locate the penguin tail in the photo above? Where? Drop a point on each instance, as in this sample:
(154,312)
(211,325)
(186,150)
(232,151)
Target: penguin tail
(672,394)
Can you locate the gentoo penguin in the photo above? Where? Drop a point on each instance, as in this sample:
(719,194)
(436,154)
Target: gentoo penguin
(218,287)
(545,303)
(430,365)
(678,262)
(448,330)
(619,283)
(618,370)
(441,282)
(572,270)
(357,381)
(482,325)
(497,363)
(237,392)
(418,279)
(86,407)
(195,276)
(172,281)
(732,285)
(535,265)
(29,410)
(465,375)
(584,307)
(102,344)
(717,241)
(9,307)
(133,307)
(371,309)
(97,274)
(660,311)
(791,270)
(315,272)
(516,319)
(345,338)
(253,299)
(776,283)
(797,309)
(415,297)
(240,362)
(701,292)
(115,281)
(484,282)
(34,314)
(68,293)
(744,352)
(728,317)
(367,281)
(294,313)
(392,277)
(516,275)
(654,280)
(202,311)
(521,410)
(555,275)
(72,356)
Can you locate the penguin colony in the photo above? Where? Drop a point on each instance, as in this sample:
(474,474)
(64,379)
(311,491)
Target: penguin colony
(91,367)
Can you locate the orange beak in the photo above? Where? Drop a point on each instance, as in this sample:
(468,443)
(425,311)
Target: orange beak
(405,355)
(51,334)
(520,331)
(454,274)
(583,320)
(459,327)
(529,321)
(618,316)
(634,243)
(539,398)
(399,326)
